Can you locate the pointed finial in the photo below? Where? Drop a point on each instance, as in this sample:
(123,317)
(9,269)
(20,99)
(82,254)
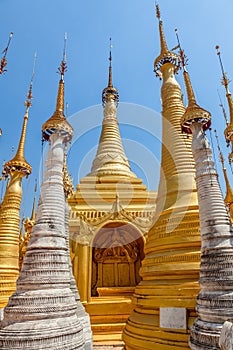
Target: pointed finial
(3,62)
(110,93)
(63,67)
(110,65)
(28,102)
(183,57)
(18,162)
(223,109)
(184,61)
(157,9)
(193,113)
(225,80)
(116,206)
(229,129)
(165,56)
(58,121)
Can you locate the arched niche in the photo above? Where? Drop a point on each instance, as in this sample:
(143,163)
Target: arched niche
(117,252)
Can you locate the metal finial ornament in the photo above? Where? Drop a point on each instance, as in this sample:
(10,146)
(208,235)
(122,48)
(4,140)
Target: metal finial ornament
(57,122)
(229,129)
(225,80)
(193,112)
(110,51)
(183,57)
(3,62)
(28,102)
(63,67)
(223,109)
(110,93)
(158,15)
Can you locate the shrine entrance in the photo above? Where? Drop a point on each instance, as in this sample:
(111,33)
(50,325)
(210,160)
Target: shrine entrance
(116,259)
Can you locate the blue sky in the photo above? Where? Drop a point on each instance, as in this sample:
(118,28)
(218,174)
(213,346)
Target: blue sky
(40,26)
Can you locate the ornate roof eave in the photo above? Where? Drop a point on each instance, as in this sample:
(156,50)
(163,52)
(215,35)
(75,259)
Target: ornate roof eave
(142,223)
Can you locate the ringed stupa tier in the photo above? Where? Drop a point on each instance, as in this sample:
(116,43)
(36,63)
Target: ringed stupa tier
(14,170)
(214,302)
(42,313)
(111,212)
(165,299)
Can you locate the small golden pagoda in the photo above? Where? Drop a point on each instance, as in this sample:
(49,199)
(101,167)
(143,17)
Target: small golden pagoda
(111,212)
(14,170)
(165,299)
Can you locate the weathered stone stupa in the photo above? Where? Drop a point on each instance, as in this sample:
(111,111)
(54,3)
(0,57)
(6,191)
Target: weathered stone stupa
(15,170)
(165,299)
(42,313)
(215,300)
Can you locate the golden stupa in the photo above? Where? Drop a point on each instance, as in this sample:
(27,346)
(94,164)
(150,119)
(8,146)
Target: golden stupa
(164,301)
(14,170)
(111,212)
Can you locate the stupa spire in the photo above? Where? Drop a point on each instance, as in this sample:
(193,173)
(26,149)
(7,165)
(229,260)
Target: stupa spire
(214,302)
(229,129)
(165,54)
(14,170)
(110,93)
(18,161)
(172,252)
(3,62)
(42,313)
(193,108)
(110,158)
(58,120)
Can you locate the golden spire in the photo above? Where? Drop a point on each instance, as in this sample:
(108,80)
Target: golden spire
(229,129)
(229,193)
(18,162)
(58,121)
(3,62)
(110,93)
(110,158)
(67,182)
(193,110)
(15,170)
(165,56)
